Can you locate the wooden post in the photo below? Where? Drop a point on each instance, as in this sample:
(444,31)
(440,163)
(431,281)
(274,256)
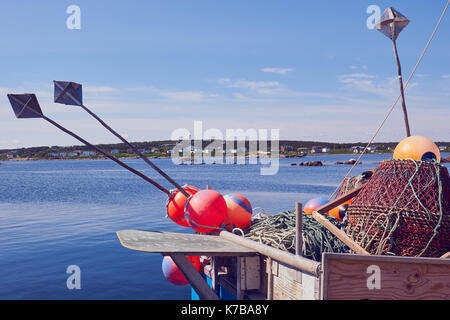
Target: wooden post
(269,278)
(298,229)
(400,80)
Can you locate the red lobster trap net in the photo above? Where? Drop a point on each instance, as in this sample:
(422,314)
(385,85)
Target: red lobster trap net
(404,210)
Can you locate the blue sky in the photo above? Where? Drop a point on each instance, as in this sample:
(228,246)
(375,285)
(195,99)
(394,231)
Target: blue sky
(309,68)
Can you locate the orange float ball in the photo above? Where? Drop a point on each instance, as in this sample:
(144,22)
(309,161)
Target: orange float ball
(175,206)
(239,211)
(206,210)
(417,148)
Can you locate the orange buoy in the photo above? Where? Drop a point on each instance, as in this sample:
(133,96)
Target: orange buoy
(239,211)
(175,206)
(417,148)
(314,204)
(341,210)
(206,210)
(173,274)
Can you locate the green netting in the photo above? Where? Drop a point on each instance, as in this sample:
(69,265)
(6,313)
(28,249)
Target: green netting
(279,231)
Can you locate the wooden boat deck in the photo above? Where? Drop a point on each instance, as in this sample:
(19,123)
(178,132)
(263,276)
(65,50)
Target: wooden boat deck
(250,270)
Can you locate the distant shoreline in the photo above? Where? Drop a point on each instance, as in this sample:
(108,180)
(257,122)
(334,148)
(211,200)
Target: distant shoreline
(186,160)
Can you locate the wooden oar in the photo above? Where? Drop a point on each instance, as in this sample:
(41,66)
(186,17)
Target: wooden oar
(317,215)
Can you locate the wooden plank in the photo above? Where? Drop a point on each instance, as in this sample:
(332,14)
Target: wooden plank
(338,233)
(338,201)
(355,277)
(250,273)
(446,255)
(197,282)
(299,262)
(190,244)
(298,229)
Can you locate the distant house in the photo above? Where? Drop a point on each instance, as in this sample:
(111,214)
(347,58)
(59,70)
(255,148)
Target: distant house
(88,153)
(325,150)
(146,151)
(372,149)
(286,148)
(115,151)
(442,148)
(12,154)
(316,149)
(155,150)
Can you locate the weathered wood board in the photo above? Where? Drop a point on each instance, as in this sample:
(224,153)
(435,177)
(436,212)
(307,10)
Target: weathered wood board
(287,283)
(357,277)
(188,244)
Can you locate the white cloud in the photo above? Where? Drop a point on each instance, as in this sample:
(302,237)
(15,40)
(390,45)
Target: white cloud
(187,95)
(364,82)
(278,70)
(357,75)
(248,84)
(446,76)
(98,89)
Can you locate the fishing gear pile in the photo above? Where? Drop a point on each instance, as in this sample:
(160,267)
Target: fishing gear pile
(404,209)
(278,231)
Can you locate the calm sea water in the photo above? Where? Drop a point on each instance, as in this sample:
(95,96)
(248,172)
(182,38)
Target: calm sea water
(54,214)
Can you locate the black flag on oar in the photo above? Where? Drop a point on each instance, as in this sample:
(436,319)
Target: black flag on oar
(69,93)
(25,105)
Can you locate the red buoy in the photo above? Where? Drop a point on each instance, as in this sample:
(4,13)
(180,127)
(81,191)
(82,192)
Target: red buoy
(206,210)
(239,211)
(173,274)
(175,206)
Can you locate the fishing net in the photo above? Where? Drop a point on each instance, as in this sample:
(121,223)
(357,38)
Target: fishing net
(278,231)
(404,209)
(351,183)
